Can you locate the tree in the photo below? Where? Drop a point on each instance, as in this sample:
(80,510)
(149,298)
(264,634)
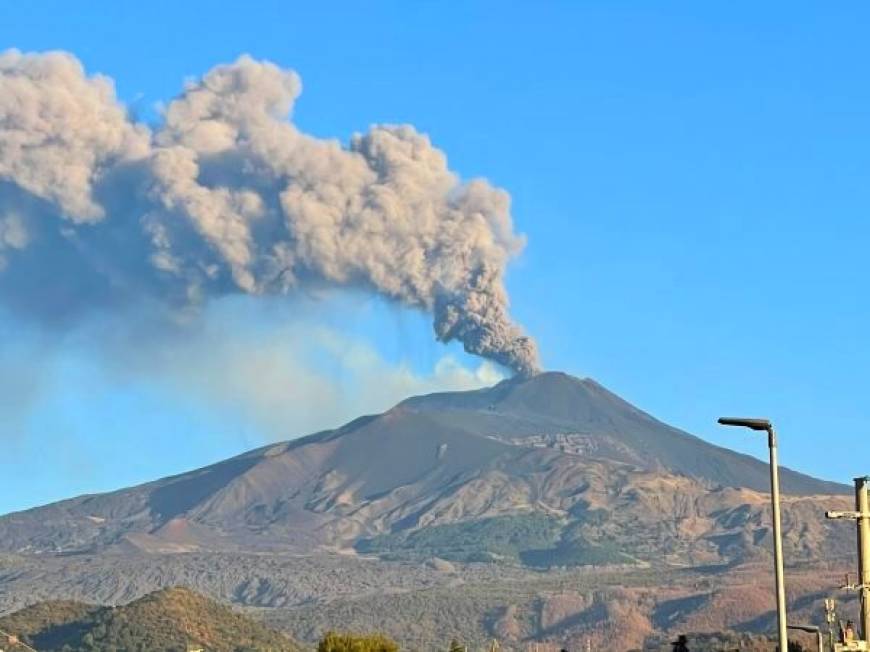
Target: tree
(347,642)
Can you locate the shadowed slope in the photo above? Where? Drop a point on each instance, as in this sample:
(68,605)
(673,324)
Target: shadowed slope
(551,443)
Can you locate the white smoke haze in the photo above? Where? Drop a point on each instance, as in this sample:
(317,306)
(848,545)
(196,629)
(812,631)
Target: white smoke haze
(122,397)
(23,380)
(226,196)
(240,362)
(285,383)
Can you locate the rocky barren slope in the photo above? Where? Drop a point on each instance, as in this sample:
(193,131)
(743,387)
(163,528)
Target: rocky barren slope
(550,472)
(551,445)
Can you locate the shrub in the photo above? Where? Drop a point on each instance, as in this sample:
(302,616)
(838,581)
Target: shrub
(347,642)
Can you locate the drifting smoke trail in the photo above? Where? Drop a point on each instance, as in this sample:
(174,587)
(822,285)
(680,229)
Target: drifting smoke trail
(227,195)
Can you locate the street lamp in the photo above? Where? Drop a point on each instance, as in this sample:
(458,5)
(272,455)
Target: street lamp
(811,629)
(766,426)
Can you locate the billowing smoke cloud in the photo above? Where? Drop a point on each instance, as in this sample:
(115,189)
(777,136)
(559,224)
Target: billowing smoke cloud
(227,196)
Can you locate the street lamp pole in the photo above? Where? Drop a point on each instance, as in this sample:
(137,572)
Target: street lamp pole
(765,426)
(812,629)
(777,536)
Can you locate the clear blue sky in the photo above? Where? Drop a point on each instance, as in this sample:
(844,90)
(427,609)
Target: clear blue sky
(692,178)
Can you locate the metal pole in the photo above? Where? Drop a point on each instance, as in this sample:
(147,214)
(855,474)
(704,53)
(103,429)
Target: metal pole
(812,629)
(782,619)
(862,506)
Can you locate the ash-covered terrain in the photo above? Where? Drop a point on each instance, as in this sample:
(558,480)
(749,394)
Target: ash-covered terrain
(544,508)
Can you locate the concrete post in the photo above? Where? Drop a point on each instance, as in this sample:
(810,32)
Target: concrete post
(862,506)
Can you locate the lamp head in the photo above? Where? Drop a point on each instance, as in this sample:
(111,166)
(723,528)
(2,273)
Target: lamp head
(752,424)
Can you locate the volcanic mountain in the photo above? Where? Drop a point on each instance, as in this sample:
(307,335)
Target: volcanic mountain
(545,470)
(540,509)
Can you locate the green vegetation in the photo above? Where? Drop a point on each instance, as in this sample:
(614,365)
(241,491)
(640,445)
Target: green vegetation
(574,553)
(536,540)
(586,516)
(336,642)
(501,538)
(574,549)
(169,620)
(50,623)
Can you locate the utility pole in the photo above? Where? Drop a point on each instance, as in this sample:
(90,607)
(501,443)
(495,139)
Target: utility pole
(862,506)
(861,516)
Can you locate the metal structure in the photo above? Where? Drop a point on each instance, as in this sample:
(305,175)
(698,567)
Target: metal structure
(831,619)
(763,425)
(861,516)
(812,629)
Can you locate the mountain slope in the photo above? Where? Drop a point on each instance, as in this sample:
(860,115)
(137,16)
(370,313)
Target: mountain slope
(552,447)
(534,476)
(614,429)
(169,619)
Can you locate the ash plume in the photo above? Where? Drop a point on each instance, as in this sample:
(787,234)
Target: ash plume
(226,195)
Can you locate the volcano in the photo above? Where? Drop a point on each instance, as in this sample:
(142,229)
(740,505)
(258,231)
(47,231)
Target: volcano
(551,447)
(563,512)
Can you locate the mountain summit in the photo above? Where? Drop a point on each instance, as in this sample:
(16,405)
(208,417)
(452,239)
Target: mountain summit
(552,455)
(610,428)
(547,472)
